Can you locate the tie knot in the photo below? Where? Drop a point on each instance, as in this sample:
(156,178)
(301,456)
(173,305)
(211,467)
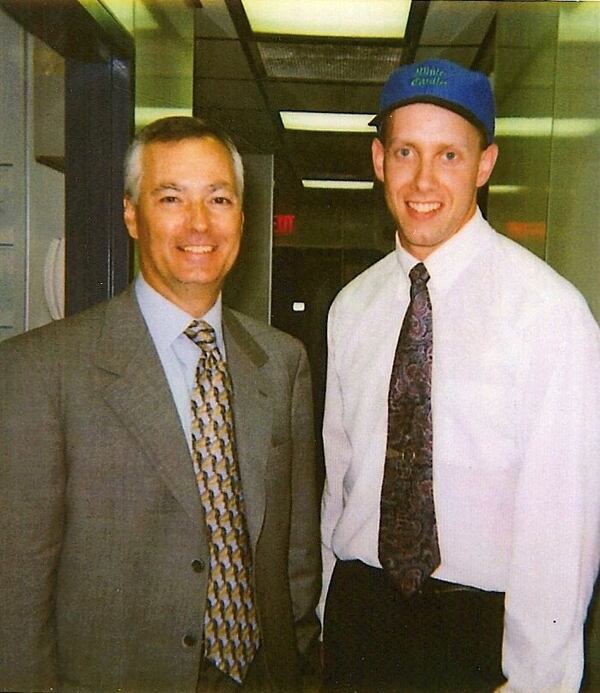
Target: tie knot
(419,276)
(202,334)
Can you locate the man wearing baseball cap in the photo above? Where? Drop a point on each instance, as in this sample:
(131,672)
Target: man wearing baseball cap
(461,511)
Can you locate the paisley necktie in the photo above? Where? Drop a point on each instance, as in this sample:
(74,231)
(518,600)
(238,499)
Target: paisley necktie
(408,541)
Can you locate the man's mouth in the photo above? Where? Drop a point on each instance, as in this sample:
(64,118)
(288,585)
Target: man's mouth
(198,249)
(424,207)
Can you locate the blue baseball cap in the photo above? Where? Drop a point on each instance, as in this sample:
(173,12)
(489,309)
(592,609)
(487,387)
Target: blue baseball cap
(445,84)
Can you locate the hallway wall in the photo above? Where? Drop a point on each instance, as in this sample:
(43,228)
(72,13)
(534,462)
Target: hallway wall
(573,246)
(547,87)
(31,193)
(544,190)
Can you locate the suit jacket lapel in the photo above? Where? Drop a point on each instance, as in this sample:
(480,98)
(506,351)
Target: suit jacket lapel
(252,416)
(134,385)
(132,381)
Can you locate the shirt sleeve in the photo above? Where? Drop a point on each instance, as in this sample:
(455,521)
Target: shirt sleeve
(556,526)
(337,459)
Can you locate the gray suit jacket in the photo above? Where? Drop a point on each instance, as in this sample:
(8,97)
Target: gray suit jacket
(102,538)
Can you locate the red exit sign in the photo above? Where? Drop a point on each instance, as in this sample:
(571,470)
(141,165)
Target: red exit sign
(284,224)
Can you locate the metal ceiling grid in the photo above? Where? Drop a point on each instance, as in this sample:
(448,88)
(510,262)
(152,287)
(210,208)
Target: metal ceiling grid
(243,79)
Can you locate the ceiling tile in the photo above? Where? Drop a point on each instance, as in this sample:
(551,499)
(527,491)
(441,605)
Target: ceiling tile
(235,118)
(221,59)
(335,98)
(463,55)
(212,20)
(318,155)
(227,93)
(457,22)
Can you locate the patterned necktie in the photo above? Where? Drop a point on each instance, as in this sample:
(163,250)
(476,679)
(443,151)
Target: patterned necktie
(231,636)
(408,542)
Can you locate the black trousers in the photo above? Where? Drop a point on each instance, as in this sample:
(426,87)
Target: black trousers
(446,638)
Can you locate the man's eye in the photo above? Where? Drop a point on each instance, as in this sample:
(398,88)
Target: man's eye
(169,199)
(450,156)
(403,152)
(221,200)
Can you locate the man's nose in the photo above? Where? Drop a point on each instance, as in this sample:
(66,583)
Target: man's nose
(425,174)
(198,216)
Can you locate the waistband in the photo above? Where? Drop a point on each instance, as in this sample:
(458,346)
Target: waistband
(431,586)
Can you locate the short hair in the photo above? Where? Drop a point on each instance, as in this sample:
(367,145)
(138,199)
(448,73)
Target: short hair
(176,129)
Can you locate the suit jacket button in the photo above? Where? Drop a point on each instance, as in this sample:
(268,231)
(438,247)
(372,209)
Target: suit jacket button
(189,640)
(198,565)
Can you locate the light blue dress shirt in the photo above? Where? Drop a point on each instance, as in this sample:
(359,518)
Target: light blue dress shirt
(166,323)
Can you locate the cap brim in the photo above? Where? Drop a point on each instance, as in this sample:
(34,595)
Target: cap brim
(436,101)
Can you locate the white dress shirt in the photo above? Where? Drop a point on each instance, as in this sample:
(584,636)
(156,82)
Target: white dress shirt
(179,356)
(516,437)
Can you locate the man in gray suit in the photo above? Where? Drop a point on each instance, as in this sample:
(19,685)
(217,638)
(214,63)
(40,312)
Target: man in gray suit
(108,549)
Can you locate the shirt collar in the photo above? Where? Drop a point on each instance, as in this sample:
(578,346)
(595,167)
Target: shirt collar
(446,263)
(166,321)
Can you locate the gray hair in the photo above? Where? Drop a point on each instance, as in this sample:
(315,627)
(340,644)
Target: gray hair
(175,129)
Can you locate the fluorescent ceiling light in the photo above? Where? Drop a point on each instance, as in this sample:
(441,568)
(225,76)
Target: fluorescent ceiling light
(146,114)
(337,184)
(505,127)
(546,127)
(576,127)
(506,189)
(327,122)
(354,18)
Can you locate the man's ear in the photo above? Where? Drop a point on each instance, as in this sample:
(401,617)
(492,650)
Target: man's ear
(487,160)
(130,216)
(378,154)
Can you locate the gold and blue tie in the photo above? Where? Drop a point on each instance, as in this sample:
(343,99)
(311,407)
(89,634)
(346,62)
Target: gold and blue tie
(231,635)
(408,539)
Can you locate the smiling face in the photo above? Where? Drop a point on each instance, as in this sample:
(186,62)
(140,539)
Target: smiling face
(187,220)
(431,166)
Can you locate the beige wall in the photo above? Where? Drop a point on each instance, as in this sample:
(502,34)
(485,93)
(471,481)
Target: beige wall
(545,192)
(573,246)
(547,84)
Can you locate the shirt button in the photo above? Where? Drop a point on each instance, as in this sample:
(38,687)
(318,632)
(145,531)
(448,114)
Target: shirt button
(189,640)
(198,565)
